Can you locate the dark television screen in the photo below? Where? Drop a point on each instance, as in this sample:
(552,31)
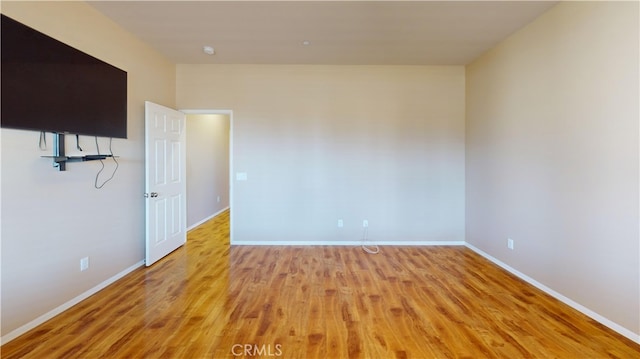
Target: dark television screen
(53,87)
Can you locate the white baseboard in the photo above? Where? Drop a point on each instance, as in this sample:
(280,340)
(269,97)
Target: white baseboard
(584,310)
(52,313)
(347,243)
(206,219)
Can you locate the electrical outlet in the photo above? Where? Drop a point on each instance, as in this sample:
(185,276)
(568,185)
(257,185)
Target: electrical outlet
(218,199)
(84,264)
(340,223)
(510,243)
(365,223)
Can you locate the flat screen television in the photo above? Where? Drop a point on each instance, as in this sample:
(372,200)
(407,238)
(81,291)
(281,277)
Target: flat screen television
(50,86)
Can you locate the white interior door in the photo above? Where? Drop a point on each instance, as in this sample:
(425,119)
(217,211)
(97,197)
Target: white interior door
(165,188)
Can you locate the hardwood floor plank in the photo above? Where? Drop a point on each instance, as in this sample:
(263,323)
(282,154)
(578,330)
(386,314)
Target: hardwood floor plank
(212,300)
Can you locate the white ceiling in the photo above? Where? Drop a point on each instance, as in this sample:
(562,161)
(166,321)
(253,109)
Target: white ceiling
(340,32)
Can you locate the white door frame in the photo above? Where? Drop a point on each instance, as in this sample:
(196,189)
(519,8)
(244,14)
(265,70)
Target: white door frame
(230,114)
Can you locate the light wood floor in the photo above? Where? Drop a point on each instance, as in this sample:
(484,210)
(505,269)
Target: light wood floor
(209,300)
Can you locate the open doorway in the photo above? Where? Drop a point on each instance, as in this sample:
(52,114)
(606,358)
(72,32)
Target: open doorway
(208,162)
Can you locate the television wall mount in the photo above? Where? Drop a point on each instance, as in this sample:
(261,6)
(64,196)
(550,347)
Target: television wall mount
(60,159)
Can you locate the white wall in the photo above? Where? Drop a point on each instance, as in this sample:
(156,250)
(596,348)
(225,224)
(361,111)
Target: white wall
(207,166)
(51,219)
(552,155)
(322,143)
